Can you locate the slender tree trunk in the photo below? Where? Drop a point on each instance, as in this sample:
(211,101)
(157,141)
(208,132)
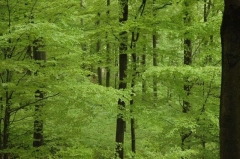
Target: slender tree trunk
(122,85)
(99,69)
(38,122)
(230,87)
(134,39)
(155,63)
(187,61)
(108,54)
(108,75)
(1,122)
(6,120)
(155,54)
(83,45)
(206,11)
(8,95)
(38,55)
(143,63)
(116,64)
(1,118)
(134,74)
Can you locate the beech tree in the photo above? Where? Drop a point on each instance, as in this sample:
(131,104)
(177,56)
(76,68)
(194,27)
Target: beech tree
(123,60)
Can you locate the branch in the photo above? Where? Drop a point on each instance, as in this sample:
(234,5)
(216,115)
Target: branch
(31,12)
(18,82)
(141,8)
(30,103)
(208,94)
(163,6)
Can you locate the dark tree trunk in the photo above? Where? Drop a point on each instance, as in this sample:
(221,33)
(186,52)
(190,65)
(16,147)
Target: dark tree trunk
(108,54)
(38,122)
(206,12)
(230,87)
(6,122)
(187,56)
(38,55)
(187,61)
(144,84)
(108,68)
(122,84)
(1,122)
(155,54)
(116,63)
(83,45)
(155,63)
(134,74)
(99,69)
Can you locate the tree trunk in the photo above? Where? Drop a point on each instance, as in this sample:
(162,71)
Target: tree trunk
(38,55)
(116,64)
(108,54)
(38,122)
(83,45)
(1,122)
(230,87)
(6,121)
(144,84)
(155,55)
(187,61)
(99,69)
(122,84)
(134,74)
(155,63)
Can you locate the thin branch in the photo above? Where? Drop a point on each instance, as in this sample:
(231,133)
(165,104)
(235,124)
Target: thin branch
(163,6)
(30,103)
(18,82)
(208,95)
(1,77)
(197,48)
(21,119)
(31,12)
(141,8)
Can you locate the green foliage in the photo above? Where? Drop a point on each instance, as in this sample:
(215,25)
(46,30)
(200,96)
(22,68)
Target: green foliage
(79,115)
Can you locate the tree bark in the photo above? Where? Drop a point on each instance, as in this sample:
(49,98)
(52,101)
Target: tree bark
(38,122)
(155,55)
(187,61)
(83,45)
(6,121)
(144,83)
(230,87)
(38,55)
(134,74)
(122,84)
(108,54)
(99,69)
(155,63)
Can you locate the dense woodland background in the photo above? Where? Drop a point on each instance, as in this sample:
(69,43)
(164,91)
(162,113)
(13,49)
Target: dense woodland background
(61,89)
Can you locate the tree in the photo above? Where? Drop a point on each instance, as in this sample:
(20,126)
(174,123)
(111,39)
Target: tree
(108,48)
(121,123)
(187,42)
(230,86)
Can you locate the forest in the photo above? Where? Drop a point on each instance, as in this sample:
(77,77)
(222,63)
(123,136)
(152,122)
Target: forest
(107,79)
